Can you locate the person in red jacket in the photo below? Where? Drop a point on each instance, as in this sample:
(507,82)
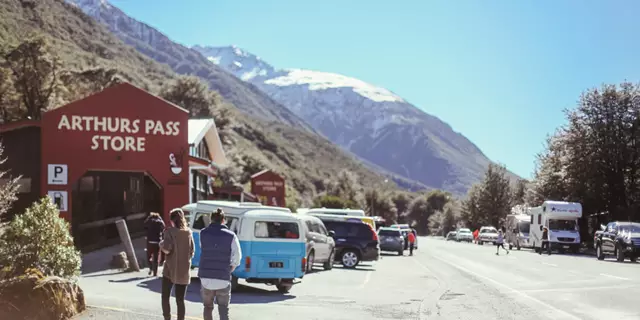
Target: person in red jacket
(412,241)
(475,236)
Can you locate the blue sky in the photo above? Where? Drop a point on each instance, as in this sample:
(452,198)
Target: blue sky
(499,72)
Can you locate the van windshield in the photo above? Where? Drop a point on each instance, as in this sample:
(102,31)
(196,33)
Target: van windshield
(562,225)
(276,230)
(524,226)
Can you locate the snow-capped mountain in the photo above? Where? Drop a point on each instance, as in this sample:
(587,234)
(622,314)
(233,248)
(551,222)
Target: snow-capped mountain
(368,120)
(183,60)
(375,124)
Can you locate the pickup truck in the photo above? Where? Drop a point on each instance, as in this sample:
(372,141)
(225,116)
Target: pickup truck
(620,239)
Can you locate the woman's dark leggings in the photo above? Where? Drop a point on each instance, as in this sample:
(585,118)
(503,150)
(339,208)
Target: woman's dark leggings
(180,292)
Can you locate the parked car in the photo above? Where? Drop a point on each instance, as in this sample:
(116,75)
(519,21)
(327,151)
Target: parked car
(464,234)
(621,239)
(320,244)
(356,241)
(405,228)
(487,234)
(451,236)
(391,239)
(597,234)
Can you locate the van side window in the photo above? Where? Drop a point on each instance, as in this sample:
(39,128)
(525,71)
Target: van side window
(202,221)
(322,229)
(539,219)
(231,225)
(531,219)
(309,226)
(276,230)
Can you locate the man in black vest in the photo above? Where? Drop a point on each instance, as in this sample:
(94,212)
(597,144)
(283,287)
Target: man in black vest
(220,254)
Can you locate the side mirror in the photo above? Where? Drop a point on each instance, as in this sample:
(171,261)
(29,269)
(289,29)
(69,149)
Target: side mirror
(332,233)
(540,228)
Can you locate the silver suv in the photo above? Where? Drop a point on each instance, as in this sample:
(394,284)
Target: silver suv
(464,234)
(487,234)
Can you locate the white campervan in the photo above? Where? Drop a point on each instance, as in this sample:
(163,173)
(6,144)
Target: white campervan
(561,218)
(517,226)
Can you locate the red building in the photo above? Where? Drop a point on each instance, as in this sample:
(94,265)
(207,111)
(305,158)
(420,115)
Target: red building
(120,153)
(269,187)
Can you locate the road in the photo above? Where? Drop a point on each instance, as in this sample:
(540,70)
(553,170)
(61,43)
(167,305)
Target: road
(443,280)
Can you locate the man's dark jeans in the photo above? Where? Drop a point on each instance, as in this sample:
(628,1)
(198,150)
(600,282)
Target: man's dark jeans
(153,252)
(545,244)
(180,292)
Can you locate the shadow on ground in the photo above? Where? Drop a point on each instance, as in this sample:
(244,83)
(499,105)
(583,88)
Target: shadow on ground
(242,295)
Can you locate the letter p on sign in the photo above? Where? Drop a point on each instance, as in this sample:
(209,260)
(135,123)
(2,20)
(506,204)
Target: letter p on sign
(57,174)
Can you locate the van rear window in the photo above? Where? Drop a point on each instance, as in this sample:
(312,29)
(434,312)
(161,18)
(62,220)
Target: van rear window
(276,230)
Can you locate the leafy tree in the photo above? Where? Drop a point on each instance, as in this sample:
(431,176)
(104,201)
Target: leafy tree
(471,208)
(193,94)
(9,103)
(345,186)
(333,202)
(8,188)
(80,84)
(401,202)
(423,207)
(35,75)
(519,192)
(495,195)
(39,239)
(380,204)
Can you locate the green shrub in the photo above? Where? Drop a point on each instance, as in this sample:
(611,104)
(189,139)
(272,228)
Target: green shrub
(333,202)
(39,239)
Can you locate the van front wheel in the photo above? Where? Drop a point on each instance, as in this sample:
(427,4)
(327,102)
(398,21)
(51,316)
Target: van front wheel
(310,262)
(284,287)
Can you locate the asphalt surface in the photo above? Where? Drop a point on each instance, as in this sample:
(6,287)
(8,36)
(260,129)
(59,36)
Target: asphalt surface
(443,280)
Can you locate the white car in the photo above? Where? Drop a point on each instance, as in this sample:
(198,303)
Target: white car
(464,234)
(487,234)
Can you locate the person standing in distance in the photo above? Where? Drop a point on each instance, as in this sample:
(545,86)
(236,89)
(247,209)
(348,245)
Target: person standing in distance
(220,255)
(154,227)
(412,241)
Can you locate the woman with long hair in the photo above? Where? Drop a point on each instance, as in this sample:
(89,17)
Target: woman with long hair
(179,248)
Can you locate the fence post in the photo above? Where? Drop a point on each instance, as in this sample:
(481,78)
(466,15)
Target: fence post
(125,237)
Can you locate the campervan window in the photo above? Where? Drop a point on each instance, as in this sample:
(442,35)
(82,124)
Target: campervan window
(632,228)
(539,219)
(564,225)
(276,230)
(202,220)
(524,226)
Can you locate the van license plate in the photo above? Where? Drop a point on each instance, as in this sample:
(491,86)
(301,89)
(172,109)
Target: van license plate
(275,265)
(565,247)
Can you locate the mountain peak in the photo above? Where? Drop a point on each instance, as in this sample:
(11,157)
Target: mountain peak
(241,63)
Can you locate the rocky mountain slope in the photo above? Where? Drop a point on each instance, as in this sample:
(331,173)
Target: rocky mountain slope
(384,130)
(370,121)
(305,158)
(183,60)
(244,95)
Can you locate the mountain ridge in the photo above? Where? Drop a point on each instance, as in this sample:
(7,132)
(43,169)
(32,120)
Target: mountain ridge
(366,119)
(375,124)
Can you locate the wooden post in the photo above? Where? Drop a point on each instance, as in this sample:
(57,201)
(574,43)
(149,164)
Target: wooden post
(128,245)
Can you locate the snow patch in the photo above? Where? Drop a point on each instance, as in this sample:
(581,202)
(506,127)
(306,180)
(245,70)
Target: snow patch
(317,80)
(215,60)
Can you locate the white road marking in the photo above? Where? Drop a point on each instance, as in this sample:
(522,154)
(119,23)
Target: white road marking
(576,289)
(366,279)
(522,294)
(615,277)
(550,264)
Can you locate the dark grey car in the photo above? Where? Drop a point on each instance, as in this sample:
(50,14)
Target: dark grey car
(391,239)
